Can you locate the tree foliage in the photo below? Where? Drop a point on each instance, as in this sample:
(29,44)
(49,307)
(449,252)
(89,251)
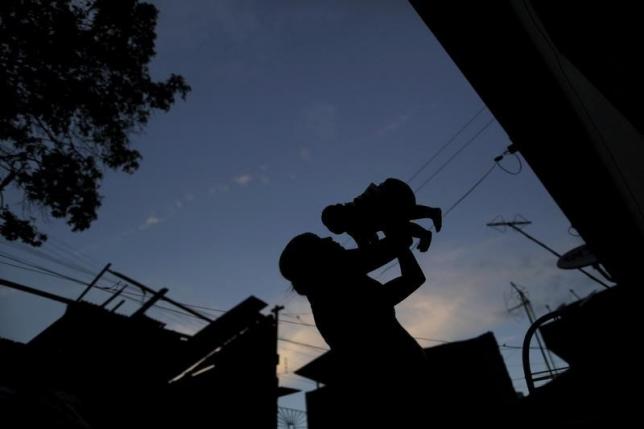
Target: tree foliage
(74,84)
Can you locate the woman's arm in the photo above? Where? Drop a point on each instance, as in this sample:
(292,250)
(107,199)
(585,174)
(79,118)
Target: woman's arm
(374,255)
(411,278)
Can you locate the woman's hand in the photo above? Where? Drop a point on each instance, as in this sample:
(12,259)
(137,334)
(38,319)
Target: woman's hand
(401,235)
(375,255)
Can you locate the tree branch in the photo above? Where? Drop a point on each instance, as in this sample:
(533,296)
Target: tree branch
(7,179)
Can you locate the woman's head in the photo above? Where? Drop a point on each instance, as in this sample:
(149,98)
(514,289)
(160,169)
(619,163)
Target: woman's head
(305,260)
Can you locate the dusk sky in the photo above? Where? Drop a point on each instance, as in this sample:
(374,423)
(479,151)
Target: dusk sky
(297,105)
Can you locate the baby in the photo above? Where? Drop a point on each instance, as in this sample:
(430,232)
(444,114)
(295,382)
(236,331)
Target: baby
(384,207)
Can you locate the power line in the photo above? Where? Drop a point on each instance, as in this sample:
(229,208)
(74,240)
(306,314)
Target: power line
(43,255)
(29,266)
(455,154)
(469,191)
(70,250)
(432,340)
(297,323)
(132,296)
(201,307)
(43,270)
(512,173)
(33,270)
(311,346)
(505,346)
(300,352)
(440,150)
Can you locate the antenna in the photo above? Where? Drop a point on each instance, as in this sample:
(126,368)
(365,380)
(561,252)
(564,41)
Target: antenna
(527,305)
(514,225)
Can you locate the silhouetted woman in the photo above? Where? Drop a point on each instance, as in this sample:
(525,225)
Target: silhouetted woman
(378,363)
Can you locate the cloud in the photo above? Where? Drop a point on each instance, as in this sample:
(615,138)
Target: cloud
(243,180)
(150,222)
(393,125)
(294,356)
(468,289)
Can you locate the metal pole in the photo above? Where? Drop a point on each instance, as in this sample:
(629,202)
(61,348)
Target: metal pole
(149,303)
(91,285)
(525,351)
(36,292)
(116,307)
(528,309)
(164,298)
(115,295)
(276,312)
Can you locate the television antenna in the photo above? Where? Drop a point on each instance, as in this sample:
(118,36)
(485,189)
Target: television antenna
(515,226)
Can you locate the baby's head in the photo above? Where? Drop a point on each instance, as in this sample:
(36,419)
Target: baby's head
(334,217)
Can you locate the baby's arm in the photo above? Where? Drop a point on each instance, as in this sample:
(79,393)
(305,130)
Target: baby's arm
(424,235)
(426,212)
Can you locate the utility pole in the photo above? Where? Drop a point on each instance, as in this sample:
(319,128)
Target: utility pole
(276,314)
(149,303)
(91,285)
(527,305)
(514,225)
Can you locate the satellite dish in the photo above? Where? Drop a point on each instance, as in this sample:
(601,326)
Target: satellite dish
(578,257)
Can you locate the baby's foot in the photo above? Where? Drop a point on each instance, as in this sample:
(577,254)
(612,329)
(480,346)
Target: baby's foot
(437,218)
(425,241)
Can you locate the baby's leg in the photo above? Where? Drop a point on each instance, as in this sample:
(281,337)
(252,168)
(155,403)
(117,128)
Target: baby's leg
(433,213)
(421,233)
